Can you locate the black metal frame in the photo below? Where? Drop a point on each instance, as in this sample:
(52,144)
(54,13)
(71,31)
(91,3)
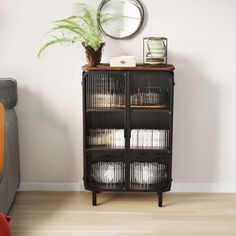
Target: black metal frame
(162,156)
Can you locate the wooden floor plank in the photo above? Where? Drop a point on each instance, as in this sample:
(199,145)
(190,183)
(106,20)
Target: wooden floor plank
(123,214)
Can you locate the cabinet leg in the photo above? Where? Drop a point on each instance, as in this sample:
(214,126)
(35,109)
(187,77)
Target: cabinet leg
(94,198)
(160,198)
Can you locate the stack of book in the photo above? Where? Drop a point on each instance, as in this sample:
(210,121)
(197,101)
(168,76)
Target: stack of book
(111,138)
(147,138)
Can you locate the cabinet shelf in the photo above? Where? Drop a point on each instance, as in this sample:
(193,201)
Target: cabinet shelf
(109,187)
(137,150)
(152,107)
(104,149)
(105,110)
(147,187)
(151,150)
(137,110)
(133,108)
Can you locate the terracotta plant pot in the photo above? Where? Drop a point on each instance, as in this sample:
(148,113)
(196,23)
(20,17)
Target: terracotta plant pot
(93,57)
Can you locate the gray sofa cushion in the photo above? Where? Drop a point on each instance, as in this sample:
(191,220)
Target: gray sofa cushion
(8,93)
(11,172)
(10,179)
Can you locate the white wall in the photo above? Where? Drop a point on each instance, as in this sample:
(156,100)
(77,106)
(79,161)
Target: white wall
(202,46)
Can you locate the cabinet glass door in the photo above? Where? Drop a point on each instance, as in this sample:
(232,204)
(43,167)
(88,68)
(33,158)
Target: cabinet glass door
(105,129)
(150,125)
(105,91)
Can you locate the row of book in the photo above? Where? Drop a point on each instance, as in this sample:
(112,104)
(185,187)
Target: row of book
(140,138)
(140,173)
(110,138)
(149,139)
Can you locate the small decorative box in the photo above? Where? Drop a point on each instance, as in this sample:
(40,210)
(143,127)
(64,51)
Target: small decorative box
(123,61)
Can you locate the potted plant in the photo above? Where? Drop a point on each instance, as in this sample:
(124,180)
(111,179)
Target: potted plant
(81,27)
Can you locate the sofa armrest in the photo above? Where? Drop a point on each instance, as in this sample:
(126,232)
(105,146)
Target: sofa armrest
(2,136)
(8,93)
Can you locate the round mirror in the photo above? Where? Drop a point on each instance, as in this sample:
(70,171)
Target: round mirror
(120,19)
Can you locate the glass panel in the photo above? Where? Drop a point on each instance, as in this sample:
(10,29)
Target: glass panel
(150,91)
(105,91)
(107,138)
(106,169)
(108,172)
(149,139)
(150,97)
(148,175)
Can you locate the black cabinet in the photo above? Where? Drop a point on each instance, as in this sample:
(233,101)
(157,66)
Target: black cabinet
(128,123)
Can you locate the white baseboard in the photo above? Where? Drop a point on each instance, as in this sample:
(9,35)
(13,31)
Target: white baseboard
(25,186)
(204,187)
(176,187)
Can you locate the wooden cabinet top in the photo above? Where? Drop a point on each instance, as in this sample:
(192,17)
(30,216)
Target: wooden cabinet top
(139,67)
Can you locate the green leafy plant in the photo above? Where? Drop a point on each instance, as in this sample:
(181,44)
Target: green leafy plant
(81,27)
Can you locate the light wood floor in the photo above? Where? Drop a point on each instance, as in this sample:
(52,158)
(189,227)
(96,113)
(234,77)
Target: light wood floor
(123,214)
